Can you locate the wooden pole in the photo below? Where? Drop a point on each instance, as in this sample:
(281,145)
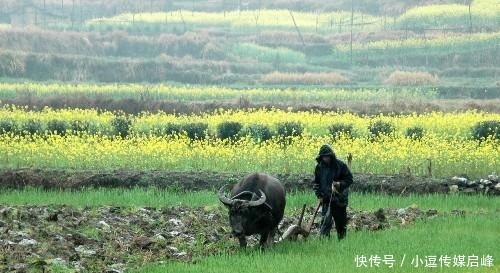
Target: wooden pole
(81,12)
(352,23)
(183,22)
(302,215)
(317,19)
(73,14)
(44,15)
(297,29)
(429,167)
(470,18)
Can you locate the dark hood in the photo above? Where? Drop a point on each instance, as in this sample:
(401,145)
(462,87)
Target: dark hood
(326,150)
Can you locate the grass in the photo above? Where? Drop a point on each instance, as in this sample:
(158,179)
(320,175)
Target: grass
(450,236)
(151,197)
(11,90)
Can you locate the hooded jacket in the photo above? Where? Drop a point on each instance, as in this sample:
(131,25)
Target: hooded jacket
(326,174)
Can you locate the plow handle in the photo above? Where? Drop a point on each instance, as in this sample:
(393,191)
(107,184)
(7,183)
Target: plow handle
(314,216)
(302,215)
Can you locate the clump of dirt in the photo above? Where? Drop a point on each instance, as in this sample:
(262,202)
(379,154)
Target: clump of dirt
(192,181)
(112,239)
(368,220)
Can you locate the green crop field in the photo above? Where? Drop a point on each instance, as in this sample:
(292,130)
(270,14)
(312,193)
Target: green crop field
(209,93)
(437,238)
(154,197)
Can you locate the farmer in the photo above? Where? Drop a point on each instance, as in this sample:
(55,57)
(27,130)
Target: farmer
(332,179)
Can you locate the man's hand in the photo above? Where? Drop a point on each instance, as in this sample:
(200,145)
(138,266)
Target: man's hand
(336,187)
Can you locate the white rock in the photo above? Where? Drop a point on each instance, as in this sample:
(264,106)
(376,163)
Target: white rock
(453,188)
(459,179)
(27,242)
(497,187)
(176,222)
(116,268)
(173,249)
(174,233)
(104,226)
(57,261)
(143,210)
(159,238)
(59,238)
(180,254)
(20,267)
(401,211)
(7,243)
(493,177)
(77,265)
(19,234)
(485,182)
(471,183)
(84,251)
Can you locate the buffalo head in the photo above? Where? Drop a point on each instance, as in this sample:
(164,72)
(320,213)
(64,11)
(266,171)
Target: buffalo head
(243,212)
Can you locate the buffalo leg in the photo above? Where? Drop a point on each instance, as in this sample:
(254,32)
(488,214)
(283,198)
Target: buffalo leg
(243,241)
(270,238)
(264,239)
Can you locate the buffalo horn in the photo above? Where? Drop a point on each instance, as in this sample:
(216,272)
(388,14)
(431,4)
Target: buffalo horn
(223,198)
(259,202)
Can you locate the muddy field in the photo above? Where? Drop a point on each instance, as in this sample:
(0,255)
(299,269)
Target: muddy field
(192,181)
(112,239)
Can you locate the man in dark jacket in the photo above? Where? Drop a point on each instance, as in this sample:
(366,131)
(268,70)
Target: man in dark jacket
(332,179)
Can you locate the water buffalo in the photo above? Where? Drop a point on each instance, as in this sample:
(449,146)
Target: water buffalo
(256,206)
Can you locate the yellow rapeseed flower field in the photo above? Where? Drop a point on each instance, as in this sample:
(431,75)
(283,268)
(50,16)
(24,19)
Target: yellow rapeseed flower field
(444,125)
(446,143)
(386,156)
